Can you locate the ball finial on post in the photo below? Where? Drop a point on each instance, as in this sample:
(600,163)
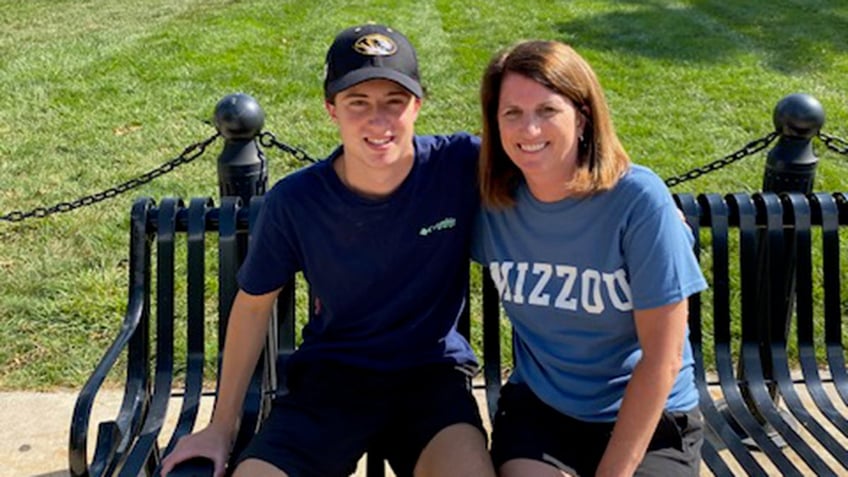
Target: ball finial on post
(242,170)
(239,116)
(791,164)
(798,115)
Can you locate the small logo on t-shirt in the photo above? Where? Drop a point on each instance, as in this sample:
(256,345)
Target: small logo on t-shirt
(444,224)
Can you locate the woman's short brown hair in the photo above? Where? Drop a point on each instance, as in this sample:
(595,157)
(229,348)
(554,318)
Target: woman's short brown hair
(602,159)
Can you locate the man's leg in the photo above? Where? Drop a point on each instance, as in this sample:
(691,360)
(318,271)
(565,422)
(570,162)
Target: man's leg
(321,428)
(257,468)
(457,450)
(436,427)
(522,467)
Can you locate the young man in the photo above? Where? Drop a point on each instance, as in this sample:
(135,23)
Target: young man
(381,230)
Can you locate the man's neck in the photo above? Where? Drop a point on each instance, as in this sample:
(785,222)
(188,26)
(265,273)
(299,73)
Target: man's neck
(369,182)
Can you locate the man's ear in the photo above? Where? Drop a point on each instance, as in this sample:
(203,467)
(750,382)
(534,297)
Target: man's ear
(331,110)
(418,101)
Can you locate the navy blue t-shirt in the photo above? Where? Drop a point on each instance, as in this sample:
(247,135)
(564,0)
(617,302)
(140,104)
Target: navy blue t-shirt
(391,274)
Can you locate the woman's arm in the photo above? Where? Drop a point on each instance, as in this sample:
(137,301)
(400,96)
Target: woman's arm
(661,333)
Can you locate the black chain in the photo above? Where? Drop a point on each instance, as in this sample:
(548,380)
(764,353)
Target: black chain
(751,148)
(267,139)
(834,143)
(189,154)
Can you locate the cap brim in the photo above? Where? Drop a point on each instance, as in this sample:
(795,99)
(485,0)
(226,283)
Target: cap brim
(364,74)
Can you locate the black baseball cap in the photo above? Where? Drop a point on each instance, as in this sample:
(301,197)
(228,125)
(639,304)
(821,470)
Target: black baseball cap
(365,52)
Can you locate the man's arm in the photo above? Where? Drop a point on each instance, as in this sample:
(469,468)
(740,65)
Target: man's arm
(246,332)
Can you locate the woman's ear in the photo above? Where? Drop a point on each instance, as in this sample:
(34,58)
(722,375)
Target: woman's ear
(585,119)
(586,113)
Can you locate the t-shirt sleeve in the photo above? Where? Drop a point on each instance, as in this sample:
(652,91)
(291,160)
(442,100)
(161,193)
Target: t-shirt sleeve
(272,257)
(468,151)
(477,237)
(658,251)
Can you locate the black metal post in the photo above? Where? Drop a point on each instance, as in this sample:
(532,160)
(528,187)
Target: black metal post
(242,170)
(790,167)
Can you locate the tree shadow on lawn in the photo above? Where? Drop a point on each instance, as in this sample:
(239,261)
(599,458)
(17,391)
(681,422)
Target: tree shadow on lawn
(789,37)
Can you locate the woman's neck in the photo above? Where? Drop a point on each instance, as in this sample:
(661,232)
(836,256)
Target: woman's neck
(548,189)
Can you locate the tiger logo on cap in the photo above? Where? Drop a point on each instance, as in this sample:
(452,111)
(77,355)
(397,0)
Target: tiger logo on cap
(375,44)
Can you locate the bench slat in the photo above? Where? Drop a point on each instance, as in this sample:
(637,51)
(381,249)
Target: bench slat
(754,332)
(195,320)
(828,209)
(719,212)
(144,451)
(801,212)
(716,426)
(779,329)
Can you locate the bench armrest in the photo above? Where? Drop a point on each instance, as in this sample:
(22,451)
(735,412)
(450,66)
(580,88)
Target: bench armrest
(132,336)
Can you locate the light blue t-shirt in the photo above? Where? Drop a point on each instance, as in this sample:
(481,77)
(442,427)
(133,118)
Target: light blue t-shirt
(570,273)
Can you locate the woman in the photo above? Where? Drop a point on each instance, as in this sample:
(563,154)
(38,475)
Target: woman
(594,267)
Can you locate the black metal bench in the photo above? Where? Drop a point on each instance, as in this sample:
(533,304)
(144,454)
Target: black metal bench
(770,236)
(774,252)
(128,445)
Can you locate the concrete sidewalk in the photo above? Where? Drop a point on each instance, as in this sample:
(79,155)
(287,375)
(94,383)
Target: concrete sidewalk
(34,429)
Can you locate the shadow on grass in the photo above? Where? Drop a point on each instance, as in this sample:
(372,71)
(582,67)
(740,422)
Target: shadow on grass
(788,36)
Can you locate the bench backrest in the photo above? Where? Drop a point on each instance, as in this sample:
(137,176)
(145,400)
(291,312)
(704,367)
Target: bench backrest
(765,268)
(746,244)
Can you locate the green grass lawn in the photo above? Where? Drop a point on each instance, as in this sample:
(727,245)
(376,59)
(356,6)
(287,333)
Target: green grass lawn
(97,92)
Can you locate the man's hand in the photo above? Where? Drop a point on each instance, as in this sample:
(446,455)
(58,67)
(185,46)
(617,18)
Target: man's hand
(211,443)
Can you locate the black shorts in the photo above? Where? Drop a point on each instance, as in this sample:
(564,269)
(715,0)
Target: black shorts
(334,413)
(525,427)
